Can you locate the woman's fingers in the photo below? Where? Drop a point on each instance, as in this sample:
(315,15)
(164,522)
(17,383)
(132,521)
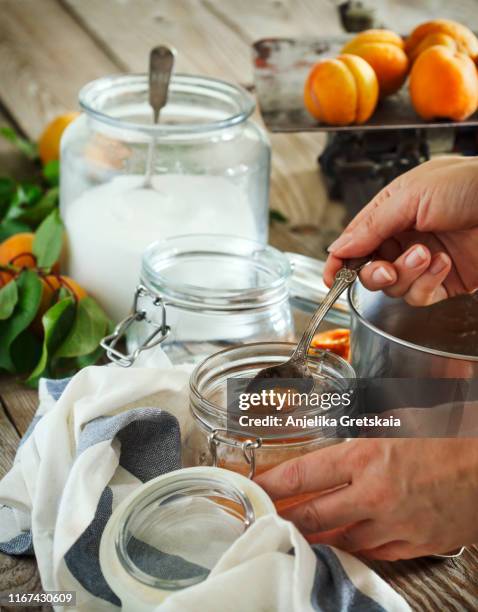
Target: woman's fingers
(378,275)
(329,511)
(393,551)
(415,275)
(396,278)
(367,534)
(409,267)
(315,472)
(387,253)
(428,288)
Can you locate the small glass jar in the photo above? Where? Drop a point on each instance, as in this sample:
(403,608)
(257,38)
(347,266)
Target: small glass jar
(210,441)
(204,293)
(171,531)
(210,174)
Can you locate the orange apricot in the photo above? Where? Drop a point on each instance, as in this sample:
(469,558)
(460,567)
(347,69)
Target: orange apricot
(465,40)
(49,141)
(444,84)
(54,282)
(436,38)
(17,251)
(383,50)
(341,91)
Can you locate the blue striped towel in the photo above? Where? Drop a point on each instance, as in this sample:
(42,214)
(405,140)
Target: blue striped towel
(97,437)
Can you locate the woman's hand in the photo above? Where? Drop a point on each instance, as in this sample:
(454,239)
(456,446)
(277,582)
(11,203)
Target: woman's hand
(424,225)
(393,499)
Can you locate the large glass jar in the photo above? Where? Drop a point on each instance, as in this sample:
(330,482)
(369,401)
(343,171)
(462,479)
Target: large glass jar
(211,441)
(210,174)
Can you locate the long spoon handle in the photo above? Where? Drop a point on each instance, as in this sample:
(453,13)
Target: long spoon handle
(161,62)
(343,278)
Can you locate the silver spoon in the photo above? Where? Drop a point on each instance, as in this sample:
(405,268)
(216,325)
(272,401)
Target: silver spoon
(161,62)
(296,366)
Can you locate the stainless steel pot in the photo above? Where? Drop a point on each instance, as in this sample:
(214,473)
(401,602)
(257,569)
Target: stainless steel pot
(391,339)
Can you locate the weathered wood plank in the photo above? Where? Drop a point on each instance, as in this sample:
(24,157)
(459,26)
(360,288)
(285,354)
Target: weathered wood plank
(9,439)
(12,162)
(281,18)
(20,402)
(403,16)
(17,574)
(205,45)
(46,58)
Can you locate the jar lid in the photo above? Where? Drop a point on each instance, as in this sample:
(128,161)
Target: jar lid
(210,272)
(170,532)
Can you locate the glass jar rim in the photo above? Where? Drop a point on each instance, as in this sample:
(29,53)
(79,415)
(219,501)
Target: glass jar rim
(164,254)
(180,483)
(243,355)
(95,93)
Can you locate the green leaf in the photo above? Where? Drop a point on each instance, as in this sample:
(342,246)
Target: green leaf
(35,210)
(25,351)
(26,194)
(9,228)
(48,240)
(8,299)
(7,191)
(57,322)
(29,289)
(86,360)
(276,215)
(28,148)
(51,172)
(90,326)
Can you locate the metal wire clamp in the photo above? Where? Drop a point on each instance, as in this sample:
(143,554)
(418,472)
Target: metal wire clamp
(159,334)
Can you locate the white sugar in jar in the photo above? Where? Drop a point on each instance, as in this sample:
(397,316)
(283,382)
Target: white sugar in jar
(211,175)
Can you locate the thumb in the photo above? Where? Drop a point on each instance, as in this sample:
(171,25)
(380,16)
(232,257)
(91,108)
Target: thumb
(389,213)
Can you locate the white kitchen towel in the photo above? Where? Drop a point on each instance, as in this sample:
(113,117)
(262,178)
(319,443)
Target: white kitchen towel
(101,434)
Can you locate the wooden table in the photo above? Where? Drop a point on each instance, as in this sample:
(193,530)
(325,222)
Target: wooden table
(50,48)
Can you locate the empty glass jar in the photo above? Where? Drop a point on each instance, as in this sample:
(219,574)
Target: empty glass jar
(210,175)
(200,294)
(171,531)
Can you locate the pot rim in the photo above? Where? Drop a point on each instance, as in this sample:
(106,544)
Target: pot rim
(406,343)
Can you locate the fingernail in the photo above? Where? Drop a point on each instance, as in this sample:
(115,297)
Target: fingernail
(439,264)
(339,243)
(382,276)
(416,257)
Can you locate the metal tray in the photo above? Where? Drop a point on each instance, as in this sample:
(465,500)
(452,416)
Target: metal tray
(281,66)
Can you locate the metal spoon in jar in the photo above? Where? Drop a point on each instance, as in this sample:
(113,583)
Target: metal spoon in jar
(161,62)
(296,366)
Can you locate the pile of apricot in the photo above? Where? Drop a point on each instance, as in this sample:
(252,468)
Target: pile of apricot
(439,57)
(16,254)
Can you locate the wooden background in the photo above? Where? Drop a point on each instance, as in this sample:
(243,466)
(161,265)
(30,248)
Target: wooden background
(50,48)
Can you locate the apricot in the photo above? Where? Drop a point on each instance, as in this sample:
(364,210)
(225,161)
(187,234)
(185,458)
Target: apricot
(383,50)
(50,284)
(437,38)
(5,277)
(49,141)
(335,340)
(54,282)
(341,91)
(444,84)
(464,38)
(17,251)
